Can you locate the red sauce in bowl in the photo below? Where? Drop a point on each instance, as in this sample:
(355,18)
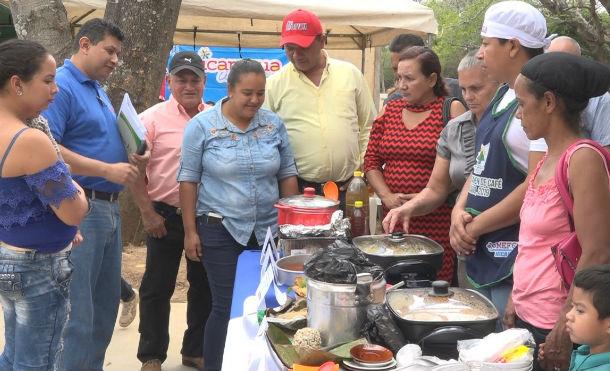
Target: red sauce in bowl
(371,353)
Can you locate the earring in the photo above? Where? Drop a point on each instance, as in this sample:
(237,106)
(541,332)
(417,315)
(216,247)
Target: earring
(19,93)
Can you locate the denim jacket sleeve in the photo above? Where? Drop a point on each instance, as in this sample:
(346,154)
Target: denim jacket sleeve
(287,164)
(192,152)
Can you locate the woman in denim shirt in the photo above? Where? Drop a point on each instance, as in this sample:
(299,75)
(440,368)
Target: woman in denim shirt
(236,163)
(40,207)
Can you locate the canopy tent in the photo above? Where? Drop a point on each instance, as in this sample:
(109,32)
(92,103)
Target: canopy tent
(351,24)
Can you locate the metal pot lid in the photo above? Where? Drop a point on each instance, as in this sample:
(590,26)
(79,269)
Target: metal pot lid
(440,304)
(308,200)
(397,244)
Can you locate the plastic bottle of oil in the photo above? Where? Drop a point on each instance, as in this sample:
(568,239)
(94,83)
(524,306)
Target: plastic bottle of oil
(357,190)
(358,219)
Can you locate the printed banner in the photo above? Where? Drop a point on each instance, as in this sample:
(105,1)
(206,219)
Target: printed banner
(218,62)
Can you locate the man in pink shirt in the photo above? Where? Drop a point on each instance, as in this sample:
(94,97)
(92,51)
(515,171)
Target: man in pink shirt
(161,215)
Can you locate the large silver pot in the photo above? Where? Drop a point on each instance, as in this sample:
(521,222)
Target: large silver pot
(338,311)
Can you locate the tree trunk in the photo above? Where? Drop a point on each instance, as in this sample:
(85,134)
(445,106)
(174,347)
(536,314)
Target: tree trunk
(149,31)
(586,21)
(46,22)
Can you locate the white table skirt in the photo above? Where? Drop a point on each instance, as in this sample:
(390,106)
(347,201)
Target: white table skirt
(244,350)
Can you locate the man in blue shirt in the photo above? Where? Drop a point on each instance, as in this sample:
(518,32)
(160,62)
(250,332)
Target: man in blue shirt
(83,122)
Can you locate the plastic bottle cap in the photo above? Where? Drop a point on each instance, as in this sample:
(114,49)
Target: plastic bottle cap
(358,173)
(358,204)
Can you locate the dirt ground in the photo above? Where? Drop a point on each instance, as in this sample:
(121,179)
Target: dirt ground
(134,262)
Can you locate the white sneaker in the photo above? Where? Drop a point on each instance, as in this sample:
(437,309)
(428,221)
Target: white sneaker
(129,309)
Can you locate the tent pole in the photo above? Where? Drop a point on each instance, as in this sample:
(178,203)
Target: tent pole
(363,50)
(377,77)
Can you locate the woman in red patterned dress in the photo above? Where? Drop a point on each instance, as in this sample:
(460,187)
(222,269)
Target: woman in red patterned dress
(402,145)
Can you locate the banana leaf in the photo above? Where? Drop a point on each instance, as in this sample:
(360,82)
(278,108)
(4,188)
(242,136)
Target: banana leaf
(281,343)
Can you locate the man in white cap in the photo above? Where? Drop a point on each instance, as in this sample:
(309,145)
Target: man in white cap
(485,219)
(596,117)
(325,103)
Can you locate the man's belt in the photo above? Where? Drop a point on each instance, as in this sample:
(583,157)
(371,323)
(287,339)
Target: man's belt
(173,210)
(99,195)
(210,218)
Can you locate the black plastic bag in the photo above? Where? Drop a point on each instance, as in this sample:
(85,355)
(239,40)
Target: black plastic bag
(380,328)
(340,263)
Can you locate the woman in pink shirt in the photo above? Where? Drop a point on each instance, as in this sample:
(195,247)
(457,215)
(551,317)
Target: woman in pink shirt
(552,91)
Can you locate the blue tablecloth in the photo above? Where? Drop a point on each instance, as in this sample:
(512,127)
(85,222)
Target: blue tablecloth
(247,277)
(253,352)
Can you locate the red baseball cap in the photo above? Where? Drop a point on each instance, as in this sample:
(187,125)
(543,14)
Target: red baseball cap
(300,28)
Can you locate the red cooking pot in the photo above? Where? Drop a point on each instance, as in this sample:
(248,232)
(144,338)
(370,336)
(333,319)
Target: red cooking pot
(305,209)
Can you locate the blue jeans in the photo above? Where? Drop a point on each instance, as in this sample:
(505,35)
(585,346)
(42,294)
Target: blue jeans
(34,292)
(95,289)
(220,253)
(498,295)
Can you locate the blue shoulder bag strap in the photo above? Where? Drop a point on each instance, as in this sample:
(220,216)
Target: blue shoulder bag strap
(8,149)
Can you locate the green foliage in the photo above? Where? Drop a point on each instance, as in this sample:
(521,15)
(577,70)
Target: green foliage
(459,25)
(281,342)
(561,25)
(459,29)
(386,69)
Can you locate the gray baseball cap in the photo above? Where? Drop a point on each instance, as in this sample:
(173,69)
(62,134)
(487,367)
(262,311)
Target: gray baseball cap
(187,61)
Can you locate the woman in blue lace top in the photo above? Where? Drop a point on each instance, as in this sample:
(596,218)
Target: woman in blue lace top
(40,207)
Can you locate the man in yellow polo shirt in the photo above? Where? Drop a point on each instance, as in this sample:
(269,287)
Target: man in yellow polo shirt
(325,104)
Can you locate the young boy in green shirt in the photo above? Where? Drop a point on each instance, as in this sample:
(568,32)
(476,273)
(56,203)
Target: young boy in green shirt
(588,322)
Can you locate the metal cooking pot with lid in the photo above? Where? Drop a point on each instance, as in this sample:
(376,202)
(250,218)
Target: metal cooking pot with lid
(341,283)
(338,311)
(306,209)
(439,316)
(387,250)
